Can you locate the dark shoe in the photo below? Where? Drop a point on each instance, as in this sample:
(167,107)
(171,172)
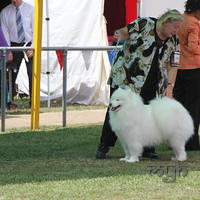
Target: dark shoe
(11,106)
(101,151)
(151,155)
(192,148)
(100,155)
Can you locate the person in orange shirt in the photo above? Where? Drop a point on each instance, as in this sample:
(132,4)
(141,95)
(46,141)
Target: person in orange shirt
(187,85)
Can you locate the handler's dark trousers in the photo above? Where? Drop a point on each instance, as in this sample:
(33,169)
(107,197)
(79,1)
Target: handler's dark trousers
(187,92)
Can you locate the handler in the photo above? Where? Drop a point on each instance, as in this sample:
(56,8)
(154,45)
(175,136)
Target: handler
(143,65)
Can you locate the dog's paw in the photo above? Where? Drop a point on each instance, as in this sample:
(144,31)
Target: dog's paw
(182,158)
(123,159)
(132,160)
(179,159)
(173,158)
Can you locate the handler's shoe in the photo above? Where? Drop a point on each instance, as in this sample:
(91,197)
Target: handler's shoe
(101,151)
(152,155)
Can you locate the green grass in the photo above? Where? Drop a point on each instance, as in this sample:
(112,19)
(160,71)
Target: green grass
(55,105)
(59,163)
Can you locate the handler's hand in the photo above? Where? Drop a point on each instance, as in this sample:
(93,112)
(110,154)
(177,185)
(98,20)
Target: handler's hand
(121,34)
(117,36)
(169,91)
(10,58)
(29,53)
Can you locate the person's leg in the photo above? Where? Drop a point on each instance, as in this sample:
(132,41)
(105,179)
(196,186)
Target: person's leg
(0,86)
(149,152)
(13,85)
(186,91)
(29,66)
(108,137)
(6,98)
(17,59)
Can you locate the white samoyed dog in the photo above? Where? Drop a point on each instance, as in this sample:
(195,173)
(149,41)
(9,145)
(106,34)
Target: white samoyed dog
(138,125)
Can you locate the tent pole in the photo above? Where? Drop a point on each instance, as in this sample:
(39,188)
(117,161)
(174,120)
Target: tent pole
(48,72)
(138,8)
(140,11)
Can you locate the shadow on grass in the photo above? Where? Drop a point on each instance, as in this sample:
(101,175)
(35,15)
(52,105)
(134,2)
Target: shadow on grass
(67,153)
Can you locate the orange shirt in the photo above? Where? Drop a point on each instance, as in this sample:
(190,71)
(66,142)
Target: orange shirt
(189,37)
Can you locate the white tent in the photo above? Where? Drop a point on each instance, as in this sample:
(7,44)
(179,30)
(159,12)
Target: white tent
(74,23)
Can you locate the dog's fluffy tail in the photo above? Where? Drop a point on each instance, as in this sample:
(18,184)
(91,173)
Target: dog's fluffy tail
(175,115)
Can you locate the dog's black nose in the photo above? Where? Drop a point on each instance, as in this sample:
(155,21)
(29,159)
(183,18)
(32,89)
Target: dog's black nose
(110,104)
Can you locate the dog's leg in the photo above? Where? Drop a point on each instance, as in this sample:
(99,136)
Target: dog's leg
(135,151)
(125,158)
(125,148)
(180,155)
(133,159)
(127,155)
(179,151)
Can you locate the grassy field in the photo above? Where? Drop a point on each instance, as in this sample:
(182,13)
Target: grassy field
(55,105)
(59,164)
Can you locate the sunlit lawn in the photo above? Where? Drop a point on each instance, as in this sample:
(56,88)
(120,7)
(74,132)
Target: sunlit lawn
(59,163)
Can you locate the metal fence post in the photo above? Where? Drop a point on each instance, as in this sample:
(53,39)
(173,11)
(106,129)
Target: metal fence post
(64,99)
(3,90)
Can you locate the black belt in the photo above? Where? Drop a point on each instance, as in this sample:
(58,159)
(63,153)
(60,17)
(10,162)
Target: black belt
(15,44)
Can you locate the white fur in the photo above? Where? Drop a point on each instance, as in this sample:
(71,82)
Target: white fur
(138,125)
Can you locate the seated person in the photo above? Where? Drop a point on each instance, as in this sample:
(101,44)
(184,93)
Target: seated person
(3,43)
